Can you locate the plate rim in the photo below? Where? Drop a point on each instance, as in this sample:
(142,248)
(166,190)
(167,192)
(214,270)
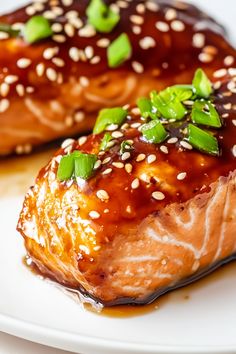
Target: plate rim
(66,340)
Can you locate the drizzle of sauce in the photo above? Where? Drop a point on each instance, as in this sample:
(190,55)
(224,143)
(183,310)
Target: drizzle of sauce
(179,296)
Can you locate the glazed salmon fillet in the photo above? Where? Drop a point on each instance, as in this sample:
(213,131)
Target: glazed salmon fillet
(55,87)
(152,216)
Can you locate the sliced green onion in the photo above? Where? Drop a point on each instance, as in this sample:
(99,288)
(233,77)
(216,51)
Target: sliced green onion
(154,132)
(66,168)
(84,165)
(125,146)
(182,92)
(37,28)
(109,116)
(105,140)
(145,107)
(4,27)
(204,113)
(168,104)
(202,84)
(202,140)
(119,51)
(101,16)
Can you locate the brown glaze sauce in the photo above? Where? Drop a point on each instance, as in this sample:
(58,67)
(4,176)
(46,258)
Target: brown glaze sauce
(179,295)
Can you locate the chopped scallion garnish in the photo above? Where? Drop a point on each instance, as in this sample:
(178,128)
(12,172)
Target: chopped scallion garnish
(145,107)
(36,29)
(84,165)
(119,51)
(109,116)
(168,104)
(202,84)
(125,146)
(182,92)
(154,132)
(76,164)
(105,140)
(204,113)
(202,140)
(101,16)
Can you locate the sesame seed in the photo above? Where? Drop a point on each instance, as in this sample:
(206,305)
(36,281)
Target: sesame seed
(57,10)
(140,157)
(181,176)
(122,4)
(69,121)
(186,145)
(118,164)
(116,134)
(95,60)
(106,160)
(151,158)
(84,81)
(4,89)
(94,214)
(79,116)
(227,106)
(67,2)
(71,14)
(49,53)
(97,164)
(125,156)
(51,74)
(18,26)
(135,184)
(198,40)
(111,143)
(3,35)
(103,42)
(152,6)
(87,31)
(177,26)
(49,15)
(162,26)
(19,150)
(164,149)
(171,14)
(74,54)
(209,49)
(67,143)
(4,105)
(82,140)
(58,62)
(89,52)
(29,89)
(234,122)
(232,71)
(69,29)
(158,195)
(96,248)
(136,19)
(205,57)
(147,42)
(115,8)
(107,171)
(112,127)
(40,68)
(23,63)
(140,8)
(172,140)
(217,85)
(136,112)
(135,125)
(10,79)
(163,262)
(59,38)
(57,27)
(220,73)
(30,10)
(20,90)
(136,29)
(102,195)
(128,167)
(138,67)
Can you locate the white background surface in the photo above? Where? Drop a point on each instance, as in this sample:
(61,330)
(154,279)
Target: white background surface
(223,10)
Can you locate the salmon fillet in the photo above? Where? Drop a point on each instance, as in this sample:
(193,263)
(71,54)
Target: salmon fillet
(144,223)
(55,87)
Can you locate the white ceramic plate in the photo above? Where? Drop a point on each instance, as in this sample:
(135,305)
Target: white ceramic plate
(33,309)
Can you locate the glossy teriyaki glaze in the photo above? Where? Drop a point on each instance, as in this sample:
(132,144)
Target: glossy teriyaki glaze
(58,85)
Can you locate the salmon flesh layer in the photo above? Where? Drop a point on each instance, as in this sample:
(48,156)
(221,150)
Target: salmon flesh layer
(55,87)
(146,221)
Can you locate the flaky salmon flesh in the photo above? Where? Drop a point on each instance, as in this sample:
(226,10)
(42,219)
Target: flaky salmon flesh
(54,88)
(145,222)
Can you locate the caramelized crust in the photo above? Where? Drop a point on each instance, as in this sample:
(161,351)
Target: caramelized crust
(64,81)
(140,225)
